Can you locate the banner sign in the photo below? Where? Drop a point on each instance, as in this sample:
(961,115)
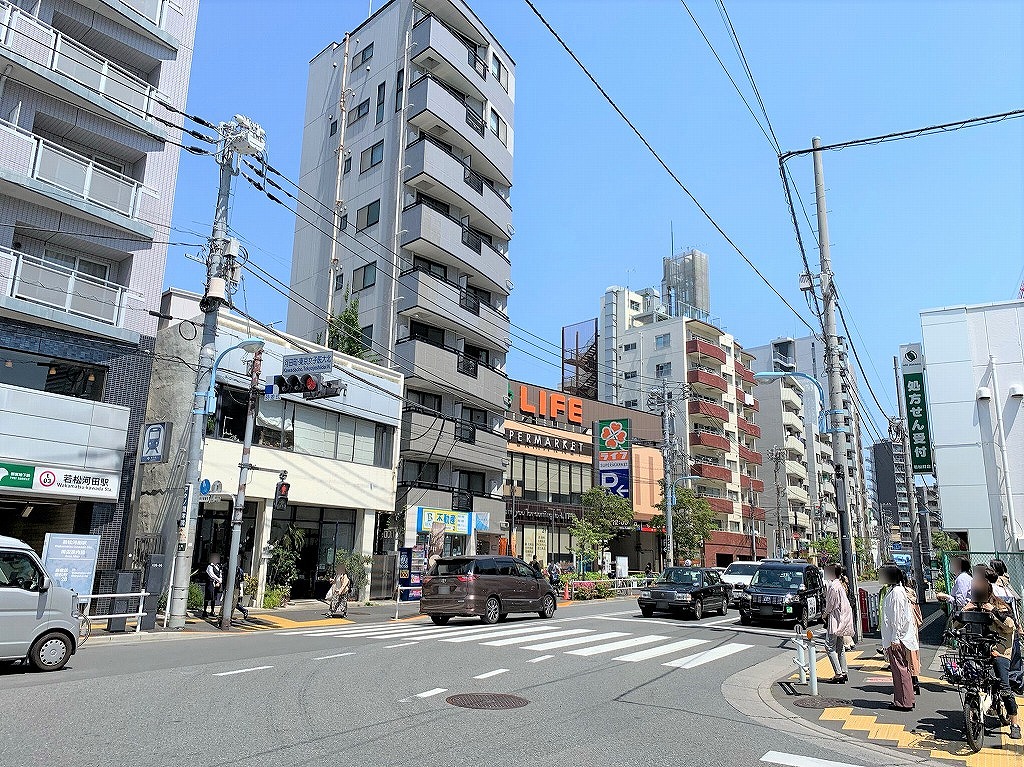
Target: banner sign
(71,560)
(612,448)
(48,480)
(912,359)
(547,442)
(454,522)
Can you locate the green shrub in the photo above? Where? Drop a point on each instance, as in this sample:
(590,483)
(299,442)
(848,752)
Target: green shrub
(196,594)
(602,590)
(583,592)
(273,597)
(161,603)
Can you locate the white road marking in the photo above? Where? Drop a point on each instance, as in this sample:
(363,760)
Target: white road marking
(479,634)
(620,645)
(242,671)
(539,658)
(576,640)
(336,655)
(793,760)
(692,661)
(431,693)
(666,649)
(534,636)
(403,644)
(489,674)
(648,621)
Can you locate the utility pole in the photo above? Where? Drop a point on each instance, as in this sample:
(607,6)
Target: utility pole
(834,366)
(240,136)
(228,606)
(667,458)
(898,430)
(338,202)
(777,455)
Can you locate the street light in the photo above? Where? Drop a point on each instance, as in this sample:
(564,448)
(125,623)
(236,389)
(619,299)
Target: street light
(250,345)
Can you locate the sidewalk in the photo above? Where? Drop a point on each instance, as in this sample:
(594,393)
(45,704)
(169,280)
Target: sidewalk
(932,730)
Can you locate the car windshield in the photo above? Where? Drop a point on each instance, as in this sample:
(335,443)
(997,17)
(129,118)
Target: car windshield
(778,579)
(453,567)
(681,575)
(741,568)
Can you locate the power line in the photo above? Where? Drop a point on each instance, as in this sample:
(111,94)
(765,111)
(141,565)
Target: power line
(856,356)
(746,67)
(842,300)
(664,165)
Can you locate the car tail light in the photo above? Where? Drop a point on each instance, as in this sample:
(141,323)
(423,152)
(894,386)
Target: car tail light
(427,579)
(467,578)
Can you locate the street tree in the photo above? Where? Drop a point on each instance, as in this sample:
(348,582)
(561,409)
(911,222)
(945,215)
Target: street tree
(346,335)
(693,523)
(604,516)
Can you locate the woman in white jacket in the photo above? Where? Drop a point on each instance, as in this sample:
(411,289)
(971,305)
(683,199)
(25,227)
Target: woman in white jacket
(838,623)
(899,637)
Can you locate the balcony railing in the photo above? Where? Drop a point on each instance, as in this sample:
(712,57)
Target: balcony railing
(468,365)
(51,163)
(470,176)
(32,279)
(27,36)
(475,121)
(465,432)
(469,301)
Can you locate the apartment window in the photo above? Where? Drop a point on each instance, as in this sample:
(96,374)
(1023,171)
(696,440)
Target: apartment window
(472,481)
(634,306)
(383,446)
(362,57)
(343,222)
(339,282)
(629,347)
(483,296)
(630,403)
(96,269)
(348,165)
(663,341)
(368,215)
(483,356)
(423,265)
(399,86)
(366,337)
(420,473)
(663,370)
(420,331)
(334,127)
(365,276)
(372,156)
(426,400)
(498,71)
(498,126)
(475,416)
(380,102)
(359,112)
(734,527)
(629,374)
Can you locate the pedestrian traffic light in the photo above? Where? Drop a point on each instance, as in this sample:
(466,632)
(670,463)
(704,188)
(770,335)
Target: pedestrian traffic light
(281,496)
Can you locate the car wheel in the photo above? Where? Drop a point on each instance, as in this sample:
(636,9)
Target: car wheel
(492,611)
(698,610)
(440,620)
(50,652)
(647,612)
(745,619)
(547,606)
(725,607)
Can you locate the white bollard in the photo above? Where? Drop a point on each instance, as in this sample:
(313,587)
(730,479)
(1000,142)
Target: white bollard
(812,666)
(800,661)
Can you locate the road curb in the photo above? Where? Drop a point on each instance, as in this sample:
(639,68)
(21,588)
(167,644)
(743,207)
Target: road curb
(765,710)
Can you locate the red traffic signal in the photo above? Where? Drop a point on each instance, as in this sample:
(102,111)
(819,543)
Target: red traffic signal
(281,496)
(310,383)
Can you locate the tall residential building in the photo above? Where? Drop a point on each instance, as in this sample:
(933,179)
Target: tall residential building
(974,377)
(408,135)
(88,165)
(807,355)
(641,346)
(890,470)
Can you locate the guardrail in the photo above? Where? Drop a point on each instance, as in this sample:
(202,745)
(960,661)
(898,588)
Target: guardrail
(398,594)
(138,614)
(616,585)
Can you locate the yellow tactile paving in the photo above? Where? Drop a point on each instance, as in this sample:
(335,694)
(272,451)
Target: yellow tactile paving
(285,623)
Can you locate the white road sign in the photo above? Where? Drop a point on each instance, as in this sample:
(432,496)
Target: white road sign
(297,364)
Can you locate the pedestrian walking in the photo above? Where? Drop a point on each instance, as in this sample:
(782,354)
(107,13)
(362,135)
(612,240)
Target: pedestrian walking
(214,584)
(1005,590)
(838,623)
(338,593)
(535,564)
(648,573)
(240,592)
(899,637)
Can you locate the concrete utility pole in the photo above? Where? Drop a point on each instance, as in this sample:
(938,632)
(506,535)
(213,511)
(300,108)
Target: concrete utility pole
(898,430)
(777,455)
(667,456)
(834,366)
(338,202)
(228,605)
(240,136)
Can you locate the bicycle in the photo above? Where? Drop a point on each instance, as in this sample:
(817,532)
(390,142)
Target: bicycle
(84,629)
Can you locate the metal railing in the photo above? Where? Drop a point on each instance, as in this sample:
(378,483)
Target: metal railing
(138,614)
(33,279)
(468,365)
(43,45)
(475,121)
(469,301)
(42,159)
(465,432)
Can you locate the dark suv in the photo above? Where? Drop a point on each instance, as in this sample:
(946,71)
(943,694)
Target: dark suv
(784,591)
(487,587)
(693,590)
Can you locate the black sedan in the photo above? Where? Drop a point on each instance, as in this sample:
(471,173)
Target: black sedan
(692,590)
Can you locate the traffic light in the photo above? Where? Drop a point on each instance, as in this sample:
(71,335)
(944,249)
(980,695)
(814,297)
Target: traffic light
(309,385)
(281,496)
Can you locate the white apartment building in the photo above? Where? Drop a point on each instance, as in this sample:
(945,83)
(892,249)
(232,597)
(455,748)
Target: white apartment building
(88,165)
(974,358)
(641,346)
(409,138)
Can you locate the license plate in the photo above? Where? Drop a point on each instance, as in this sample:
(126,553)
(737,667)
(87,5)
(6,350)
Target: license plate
(662,605)
(444,589)
(766,610)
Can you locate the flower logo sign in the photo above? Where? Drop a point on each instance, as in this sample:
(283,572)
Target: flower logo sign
(614,435)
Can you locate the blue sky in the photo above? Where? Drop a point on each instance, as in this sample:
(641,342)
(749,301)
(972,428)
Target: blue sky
(914,224)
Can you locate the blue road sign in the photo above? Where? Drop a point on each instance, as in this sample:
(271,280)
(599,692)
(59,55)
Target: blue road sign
(204,487)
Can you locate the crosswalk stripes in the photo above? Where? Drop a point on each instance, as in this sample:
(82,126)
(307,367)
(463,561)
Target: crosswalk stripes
(540,637)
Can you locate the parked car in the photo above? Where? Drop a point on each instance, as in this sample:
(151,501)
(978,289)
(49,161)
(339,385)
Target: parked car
(785,591)
(487,587)
(38,620)
(737,576)
(693,590)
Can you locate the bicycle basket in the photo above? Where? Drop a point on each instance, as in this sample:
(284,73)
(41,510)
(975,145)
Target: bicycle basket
(952,668)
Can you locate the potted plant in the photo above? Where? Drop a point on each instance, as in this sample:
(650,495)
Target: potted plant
(283,568)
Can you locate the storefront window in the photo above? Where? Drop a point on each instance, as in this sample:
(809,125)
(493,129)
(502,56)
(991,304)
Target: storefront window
(34,371)
(328,531)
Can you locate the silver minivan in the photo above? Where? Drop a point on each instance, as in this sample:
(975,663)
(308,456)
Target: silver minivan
(38,620)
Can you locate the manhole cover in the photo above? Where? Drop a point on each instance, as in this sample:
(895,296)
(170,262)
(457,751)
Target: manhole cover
(816,701)
(488,701)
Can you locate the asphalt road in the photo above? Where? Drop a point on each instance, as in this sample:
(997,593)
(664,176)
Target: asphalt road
(604,687)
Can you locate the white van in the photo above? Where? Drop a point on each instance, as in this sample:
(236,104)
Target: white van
(38,620)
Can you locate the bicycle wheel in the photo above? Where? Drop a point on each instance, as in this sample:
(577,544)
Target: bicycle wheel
(84,630)
(974,723)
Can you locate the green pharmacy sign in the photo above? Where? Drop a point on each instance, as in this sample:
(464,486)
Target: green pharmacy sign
(917,423)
